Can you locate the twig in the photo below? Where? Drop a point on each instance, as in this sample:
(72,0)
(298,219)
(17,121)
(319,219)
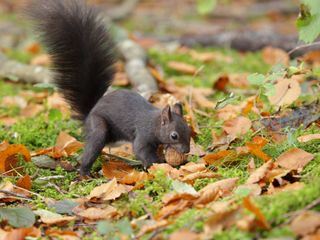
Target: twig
(17,195)
(33,193)
(303,47)
(50,177)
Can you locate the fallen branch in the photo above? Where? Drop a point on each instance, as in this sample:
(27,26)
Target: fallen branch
(15,71)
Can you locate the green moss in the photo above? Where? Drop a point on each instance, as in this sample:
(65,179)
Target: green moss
(275,206)
(38,132)
(235,234)
(250,62)
(8,89)
(19,55)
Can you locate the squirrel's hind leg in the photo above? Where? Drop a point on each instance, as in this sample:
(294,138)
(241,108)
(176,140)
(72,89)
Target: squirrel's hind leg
(96,131)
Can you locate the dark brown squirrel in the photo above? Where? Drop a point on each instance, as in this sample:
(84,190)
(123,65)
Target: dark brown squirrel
(83,60)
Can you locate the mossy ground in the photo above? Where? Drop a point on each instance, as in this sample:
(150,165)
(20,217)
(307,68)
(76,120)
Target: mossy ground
(41,132)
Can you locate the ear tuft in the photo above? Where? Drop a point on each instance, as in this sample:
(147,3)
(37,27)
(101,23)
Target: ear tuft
(166,115)
(177,108)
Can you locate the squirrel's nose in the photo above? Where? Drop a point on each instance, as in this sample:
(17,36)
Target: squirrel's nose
(186,149)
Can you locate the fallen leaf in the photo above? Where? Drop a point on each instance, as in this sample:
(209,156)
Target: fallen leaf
(24,182)
(260,173)
(108,191)
(255,148)
(152,226)
(173,208)
(288,187)
(33,48)
(275,56)
(219,221)
(13,101)
(166,168)
(294,159)
(124,173)
(286,92)
(309,137)
(31,110)
(41,60)
(249,205)
(95,214)
(213,191)
(221,83)
(237,127)
(306,223)
(62,234)
(52,218)
(20,233)
(212,158)
(9,156)
(184,234)
(202,56)
(67,144)
(182,67)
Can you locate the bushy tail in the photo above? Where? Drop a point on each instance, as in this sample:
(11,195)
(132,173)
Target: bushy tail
(80,48)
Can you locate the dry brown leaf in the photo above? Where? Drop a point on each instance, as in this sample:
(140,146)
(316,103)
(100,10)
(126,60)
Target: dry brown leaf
(286,92)
(168,170)
(41,60)
(237,127)
(152,226)
(95,214)
(219,221)
(51,218)
(306,223)
(24,182)
(184,234)
(12,101)
(190,178)
(124,173)
(213,158)
(275,56)
(229,112)
(108,191)
(66,144)
(239,80)
(196,149)
(9,156)
(173,196)
(288,187)
(121,79)
(62,234)
(9,187)
(213,191)
(309,137)
(8,121)
(203,56)
(175,207)
(20,233)
(31,110)
(294,159)
(182,67)
(260,173)
(249,205)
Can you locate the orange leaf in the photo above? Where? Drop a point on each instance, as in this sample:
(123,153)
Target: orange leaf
(33,48)
(60,233)
(183,67)
(248,204)
(255,148)
(214,157)
(247,108)
(24,182)
(221,83)
(8,156)
(21,233)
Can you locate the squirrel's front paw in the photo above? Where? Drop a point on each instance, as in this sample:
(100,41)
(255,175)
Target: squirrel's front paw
(84,172)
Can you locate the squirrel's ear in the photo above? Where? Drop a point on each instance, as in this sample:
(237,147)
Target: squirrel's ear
(177,108)
(166,115)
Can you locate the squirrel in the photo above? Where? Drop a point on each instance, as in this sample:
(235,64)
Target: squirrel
(82,54)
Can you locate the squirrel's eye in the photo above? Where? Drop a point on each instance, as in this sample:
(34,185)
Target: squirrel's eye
(174,135)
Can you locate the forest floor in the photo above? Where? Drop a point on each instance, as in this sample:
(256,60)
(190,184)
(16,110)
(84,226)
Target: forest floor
(253,171)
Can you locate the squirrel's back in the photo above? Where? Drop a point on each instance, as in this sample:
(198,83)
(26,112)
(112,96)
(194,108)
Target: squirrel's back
(80,48)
